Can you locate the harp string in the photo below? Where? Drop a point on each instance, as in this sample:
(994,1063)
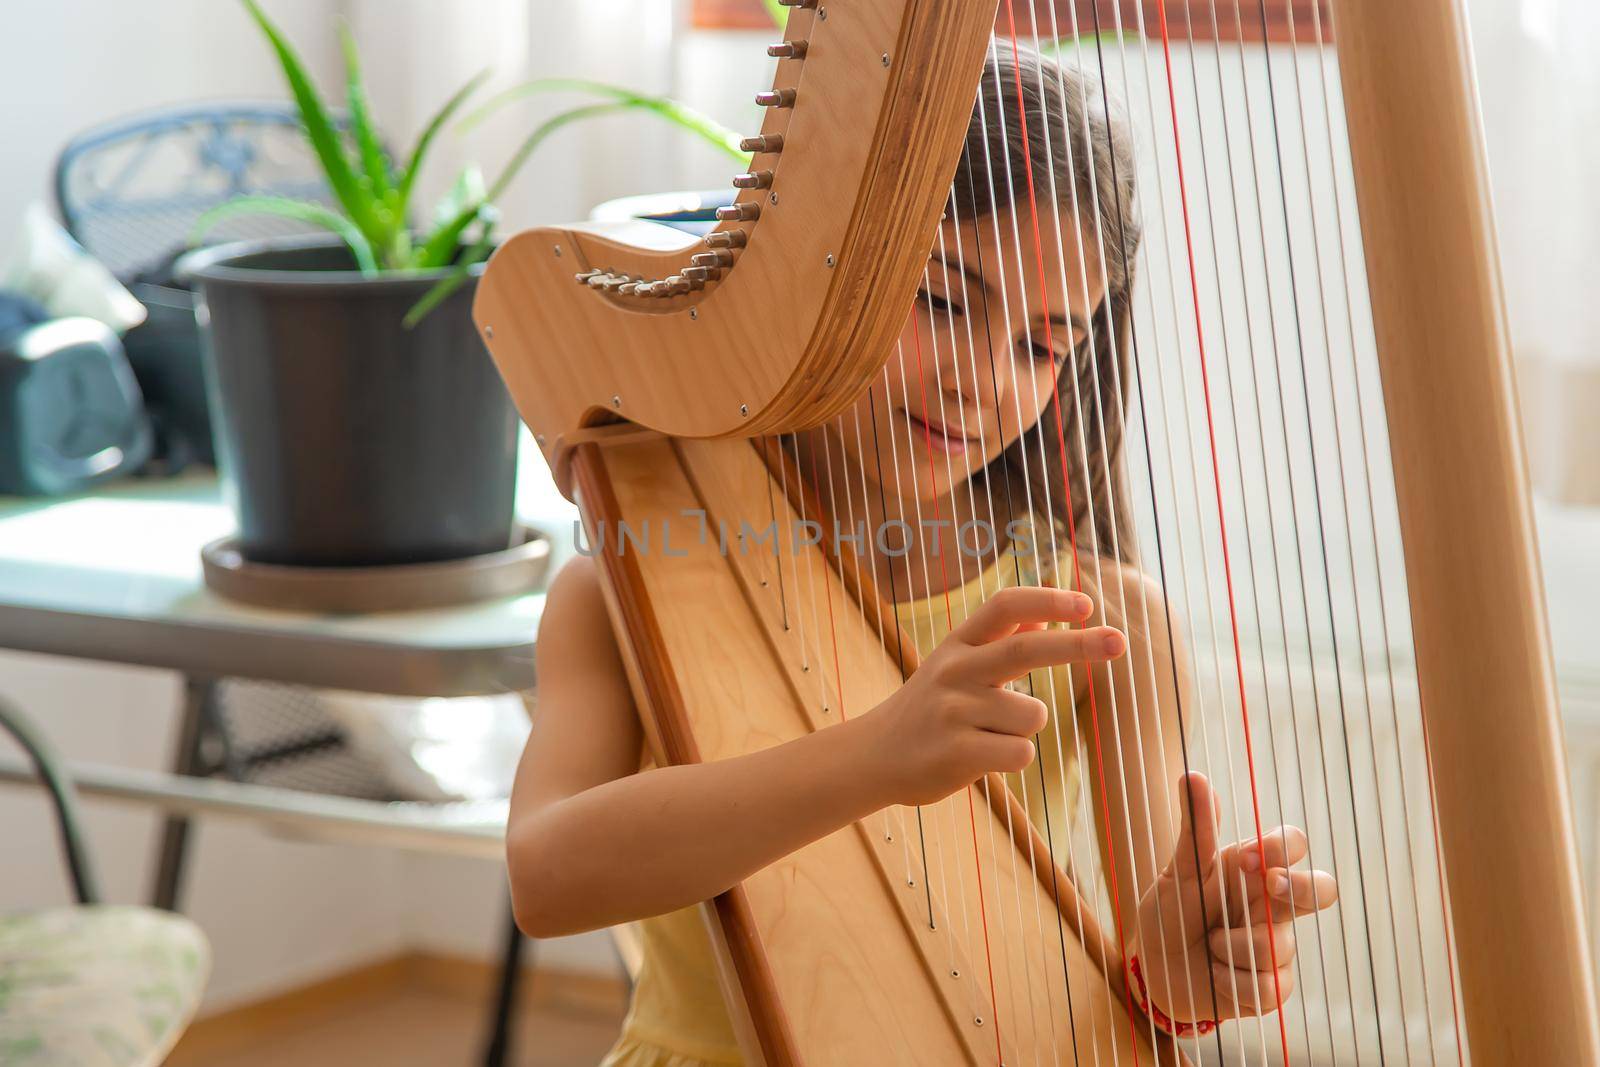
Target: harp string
(895,811)
(1001,277)
(1010,508)
(1031,691)
(1184,569)
(1271,524)
(1297,541)
(1377,566)
(1077,577)
(1233,619)
(1081,420)
(1355,591)
(939,391)
(983,591)
(1133,338)
(1156,862)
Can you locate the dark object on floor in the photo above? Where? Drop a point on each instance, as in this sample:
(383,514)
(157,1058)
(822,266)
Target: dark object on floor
(71,413)
(349,440)
(131,191)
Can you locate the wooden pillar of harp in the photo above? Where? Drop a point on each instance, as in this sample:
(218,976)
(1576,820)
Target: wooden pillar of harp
(1483,660)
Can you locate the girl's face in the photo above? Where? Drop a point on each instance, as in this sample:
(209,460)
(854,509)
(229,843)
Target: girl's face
(976,361)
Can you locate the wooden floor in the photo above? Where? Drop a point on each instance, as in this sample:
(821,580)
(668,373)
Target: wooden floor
(419,1010)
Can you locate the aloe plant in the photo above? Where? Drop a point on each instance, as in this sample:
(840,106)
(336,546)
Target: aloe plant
(373,195)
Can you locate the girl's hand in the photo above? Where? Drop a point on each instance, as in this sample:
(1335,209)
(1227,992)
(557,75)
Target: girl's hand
(955,720)
(1193,932)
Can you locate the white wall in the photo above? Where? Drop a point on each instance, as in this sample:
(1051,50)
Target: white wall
(71,64)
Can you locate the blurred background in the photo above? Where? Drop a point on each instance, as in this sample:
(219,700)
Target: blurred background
(122,652)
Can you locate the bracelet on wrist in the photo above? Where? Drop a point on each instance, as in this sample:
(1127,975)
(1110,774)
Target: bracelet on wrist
(1163,1021)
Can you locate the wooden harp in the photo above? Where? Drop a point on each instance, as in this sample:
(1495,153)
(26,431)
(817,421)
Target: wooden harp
(661,384)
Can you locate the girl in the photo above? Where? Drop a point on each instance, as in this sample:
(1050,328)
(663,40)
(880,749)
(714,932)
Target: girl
(994,348)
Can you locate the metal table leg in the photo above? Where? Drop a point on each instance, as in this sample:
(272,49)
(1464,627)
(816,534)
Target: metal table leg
(516,948)
(188,758)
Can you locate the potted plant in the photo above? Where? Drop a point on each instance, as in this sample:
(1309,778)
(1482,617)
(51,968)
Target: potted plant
(359,420)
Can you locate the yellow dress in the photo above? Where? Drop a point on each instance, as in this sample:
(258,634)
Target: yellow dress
(677,1018)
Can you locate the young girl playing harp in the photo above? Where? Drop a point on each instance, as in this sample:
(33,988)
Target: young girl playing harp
(963,433)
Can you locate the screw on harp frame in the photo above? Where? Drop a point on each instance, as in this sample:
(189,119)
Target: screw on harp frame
(830,261)
(743,211)
(776,98)
(558,251)
(616,401)
(726,239)
(766,142)
(885,58)
(488,332)
(744,411)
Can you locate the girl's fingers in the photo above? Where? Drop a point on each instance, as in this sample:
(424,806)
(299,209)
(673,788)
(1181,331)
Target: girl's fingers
(1253,948)
(1001,752)
(1302,892)
(1253,994)
(1006,711)
(1284,847)
(1013,656)
(1022,606)
(1195,852)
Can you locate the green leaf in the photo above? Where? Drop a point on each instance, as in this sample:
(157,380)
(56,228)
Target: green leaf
(321,133)
(457,277)
(467,191)
(779,13)
(683,116)
(308,211)
(420,151)
(373,159)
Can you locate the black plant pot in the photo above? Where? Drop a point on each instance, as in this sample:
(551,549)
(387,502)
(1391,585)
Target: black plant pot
(343,438)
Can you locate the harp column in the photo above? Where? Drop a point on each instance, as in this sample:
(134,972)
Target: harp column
(1477,602)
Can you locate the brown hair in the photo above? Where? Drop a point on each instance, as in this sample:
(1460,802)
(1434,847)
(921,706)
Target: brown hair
(1087,168)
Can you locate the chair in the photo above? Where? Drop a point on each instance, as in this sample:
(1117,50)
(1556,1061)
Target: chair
(131,191)
(91,985)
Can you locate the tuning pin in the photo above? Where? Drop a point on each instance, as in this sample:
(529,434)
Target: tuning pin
(583,278)
(767,142)
(702,274)
(661,288)
(744,211)
(760,179)
(797,3)
(628,289)
(787,50)
(776,98)
(616,282)
(599,279)
(712,259)
(681,284)
(726,239)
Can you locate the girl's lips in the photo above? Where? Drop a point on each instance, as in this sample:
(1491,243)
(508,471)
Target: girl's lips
(939,438)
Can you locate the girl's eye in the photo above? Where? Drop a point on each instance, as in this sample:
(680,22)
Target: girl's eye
(1038,353)
(938,303)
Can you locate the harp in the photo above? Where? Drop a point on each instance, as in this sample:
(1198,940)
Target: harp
(1402,709)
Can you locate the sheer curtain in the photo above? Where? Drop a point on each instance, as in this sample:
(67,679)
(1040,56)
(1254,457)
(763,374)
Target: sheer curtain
(1540,86)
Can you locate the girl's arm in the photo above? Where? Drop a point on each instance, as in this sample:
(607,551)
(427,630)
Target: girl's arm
(591,843)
